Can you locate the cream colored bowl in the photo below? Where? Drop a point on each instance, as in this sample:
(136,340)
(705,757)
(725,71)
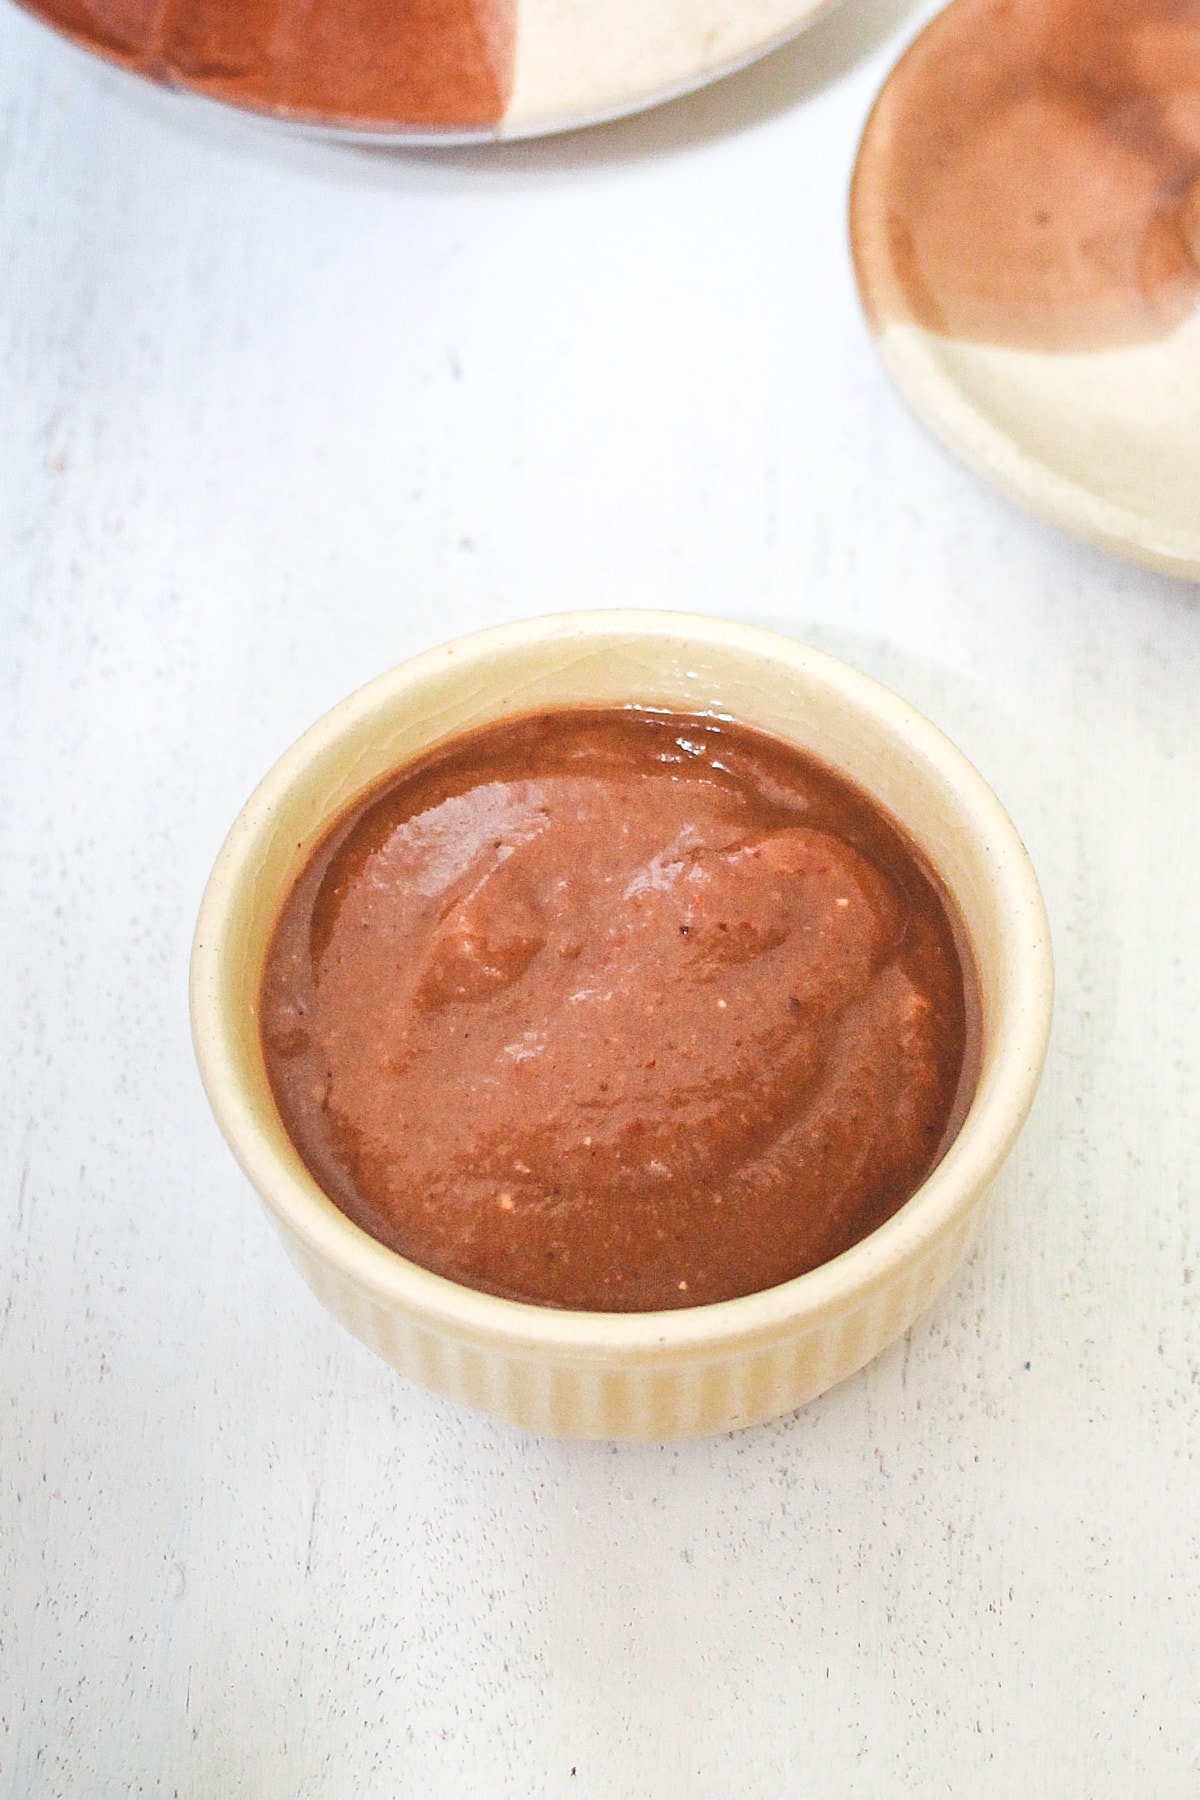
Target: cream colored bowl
(630,1375)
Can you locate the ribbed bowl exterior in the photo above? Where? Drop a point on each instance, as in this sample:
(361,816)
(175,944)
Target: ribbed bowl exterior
(678,1394)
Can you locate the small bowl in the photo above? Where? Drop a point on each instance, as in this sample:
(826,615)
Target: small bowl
(630,1375)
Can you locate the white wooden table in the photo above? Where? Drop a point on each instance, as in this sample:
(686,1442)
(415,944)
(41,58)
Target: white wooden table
(275,414)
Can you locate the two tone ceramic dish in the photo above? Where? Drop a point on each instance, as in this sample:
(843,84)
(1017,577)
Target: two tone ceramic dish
(1025,219)
(433,70)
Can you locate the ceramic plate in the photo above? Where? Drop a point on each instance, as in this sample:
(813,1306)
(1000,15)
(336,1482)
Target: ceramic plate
(461,70)
(1025,219)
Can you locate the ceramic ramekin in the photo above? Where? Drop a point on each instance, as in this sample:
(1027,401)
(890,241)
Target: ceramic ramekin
(630,1375)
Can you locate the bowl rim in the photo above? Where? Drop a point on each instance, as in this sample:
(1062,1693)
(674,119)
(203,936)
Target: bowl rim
(994,1118)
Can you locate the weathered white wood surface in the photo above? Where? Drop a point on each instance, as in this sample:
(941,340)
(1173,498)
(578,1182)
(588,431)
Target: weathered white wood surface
(274,415)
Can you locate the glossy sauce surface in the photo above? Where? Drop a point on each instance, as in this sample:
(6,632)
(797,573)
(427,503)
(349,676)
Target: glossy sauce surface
(618,1011)
(432,63)
(1031,175)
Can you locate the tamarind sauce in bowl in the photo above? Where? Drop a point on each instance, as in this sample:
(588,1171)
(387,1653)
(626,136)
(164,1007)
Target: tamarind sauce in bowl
(581,878)
(617,1010)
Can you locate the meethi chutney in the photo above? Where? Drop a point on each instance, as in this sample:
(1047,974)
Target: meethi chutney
(618,1010)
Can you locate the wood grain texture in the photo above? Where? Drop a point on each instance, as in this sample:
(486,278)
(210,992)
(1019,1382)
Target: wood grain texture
(275,416)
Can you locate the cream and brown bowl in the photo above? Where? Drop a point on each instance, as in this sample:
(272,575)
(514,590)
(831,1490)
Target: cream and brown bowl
(630,1375)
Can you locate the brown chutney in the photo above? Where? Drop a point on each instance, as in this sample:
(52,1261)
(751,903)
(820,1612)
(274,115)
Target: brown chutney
(618,1010)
